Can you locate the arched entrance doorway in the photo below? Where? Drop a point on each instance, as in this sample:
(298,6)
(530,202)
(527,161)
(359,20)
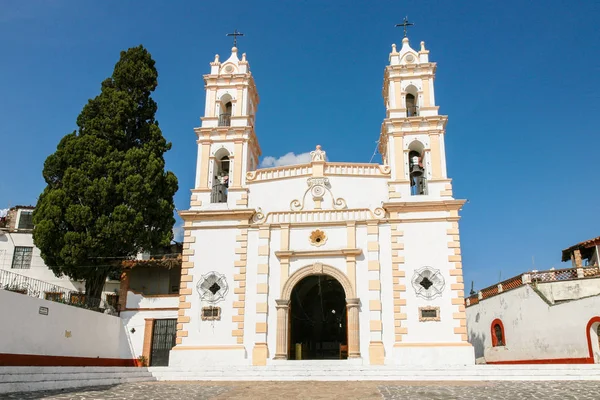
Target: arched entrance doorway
(318,319)
(282,351)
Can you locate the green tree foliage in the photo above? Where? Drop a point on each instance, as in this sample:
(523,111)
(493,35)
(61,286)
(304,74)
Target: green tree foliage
(108,195)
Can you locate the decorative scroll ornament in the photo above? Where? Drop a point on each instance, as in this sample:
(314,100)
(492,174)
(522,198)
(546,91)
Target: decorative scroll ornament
(258,217)
(428,283)
(385,169)
(318,187)
(379,213)
(212,287)
(251,175)
(317,154)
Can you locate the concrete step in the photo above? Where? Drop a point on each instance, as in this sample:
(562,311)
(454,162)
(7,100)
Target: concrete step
(65,370)
(384,373)
(15,387)
(411,378)
(25,379)
(58,376)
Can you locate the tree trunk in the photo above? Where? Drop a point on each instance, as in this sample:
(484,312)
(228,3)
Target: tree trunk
(94,285)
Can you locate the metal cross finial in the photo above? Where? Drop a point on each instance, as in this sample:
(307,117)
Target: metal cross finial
(405,24)
(235,34)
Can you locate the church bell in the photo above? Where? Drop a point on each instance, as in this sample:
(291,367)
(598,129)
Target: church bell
(416,171)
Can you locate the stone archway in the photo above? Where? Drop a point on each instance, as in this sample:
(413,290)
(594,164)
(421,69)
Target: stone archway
(283,308)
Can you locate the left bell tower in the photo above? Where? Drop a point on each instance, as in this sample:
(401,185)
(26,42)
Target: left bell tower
(227,144)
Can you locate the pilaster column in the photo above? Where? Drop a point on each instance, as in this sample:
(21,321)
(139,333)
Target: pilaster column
(123,288)
(281,351)
(353,329)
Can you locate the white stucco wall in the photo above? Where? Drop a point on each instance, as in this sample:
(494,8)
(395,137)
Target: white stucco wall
(65,331)
(533,329)
(38,270)
(136,320)
(276,195)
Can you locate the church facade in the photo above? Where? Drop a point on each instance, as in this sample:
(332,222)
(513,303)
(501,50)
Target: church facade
(324,260)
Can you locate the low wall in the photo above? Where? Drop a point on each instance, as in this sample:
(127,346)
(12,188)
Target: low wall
(66,336)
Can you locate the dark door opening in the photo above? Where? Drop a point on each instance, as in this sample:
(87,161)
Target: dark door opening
(318,319)
(163,340)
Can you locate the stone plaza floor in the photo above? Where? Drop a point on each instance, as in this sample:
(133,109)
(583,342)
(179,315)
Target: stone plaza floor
(367,390)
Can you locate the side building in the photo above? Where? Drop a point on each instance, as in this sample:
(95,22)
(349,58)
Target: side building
(22,267)
(541,317)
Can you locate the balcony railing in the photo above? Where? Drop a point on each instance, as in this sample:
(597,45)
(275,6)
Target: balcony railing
(218,193)
(225,119)
(419,187)
(412,111)
(47,291)
(534,277)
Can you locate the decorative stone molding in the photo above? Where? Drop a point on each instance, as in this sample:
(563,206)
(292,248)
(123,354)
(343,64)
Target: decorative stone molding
(398,275)
(317,154)
(317,253)
(323,217)
(428,283)
(318,187)
(317,238)
(212,287)
(317,268)
(286,291)
(211,313)
(425,311)
(282,306)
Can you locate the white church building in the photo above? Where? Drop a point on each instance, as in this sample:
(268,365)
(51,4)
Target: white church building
(324,260)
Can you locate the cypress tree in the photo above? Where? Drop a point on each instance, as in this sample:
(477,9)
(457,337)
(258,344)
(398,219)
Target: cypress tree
(108,195)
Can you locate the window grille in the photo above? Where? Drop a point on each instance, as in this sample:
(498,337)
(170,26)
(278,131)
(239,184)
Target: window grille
(54,296)
(211,313)
(22,257)
(25,220)
(77,298)
(113,300)
(429,314)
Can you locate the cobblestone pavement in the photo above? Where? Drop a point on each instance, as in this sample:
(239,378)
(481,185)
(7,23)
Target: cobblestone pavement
(326,390)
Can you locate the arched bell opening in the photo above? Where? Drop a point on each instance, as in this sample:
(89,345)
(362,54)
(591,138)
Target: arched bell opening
(226,108)
(417,171)
(411,100)
(220,182)
(318,319)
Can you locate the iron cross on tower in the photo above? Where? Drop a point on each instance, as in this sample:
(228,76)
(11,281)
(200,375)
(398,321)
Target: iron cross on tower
(235,34)
(405,24)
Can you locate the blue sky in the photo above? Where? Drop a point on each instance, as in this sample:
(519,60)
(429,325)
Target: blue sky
(519,80)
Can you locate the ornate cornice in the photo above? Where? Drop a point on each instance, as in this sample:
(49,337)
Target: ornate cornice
(284,254)
(416,206)
(213,215)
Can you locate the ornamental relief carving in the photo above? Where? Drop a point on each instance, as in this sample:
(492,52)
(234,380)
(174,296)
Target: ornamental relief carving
(318,188)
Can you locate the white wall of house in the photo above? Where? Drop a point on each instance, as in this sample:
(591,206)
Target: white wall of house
(66,330)
(37,269)
(534,329)
(134,323)
(154,281)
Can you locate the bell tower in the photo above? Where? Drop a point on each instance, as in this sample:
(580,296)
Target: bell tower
(227,144)
(412,134)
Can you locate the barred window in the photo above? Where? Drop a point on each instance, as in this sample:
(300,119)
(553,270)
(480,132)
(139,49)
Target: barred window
(22,257)
(25,220)
(53,296)
(211,313)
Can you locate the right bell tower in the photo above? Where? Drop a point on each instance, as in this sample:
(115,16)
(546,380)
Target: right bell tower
(412,134)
